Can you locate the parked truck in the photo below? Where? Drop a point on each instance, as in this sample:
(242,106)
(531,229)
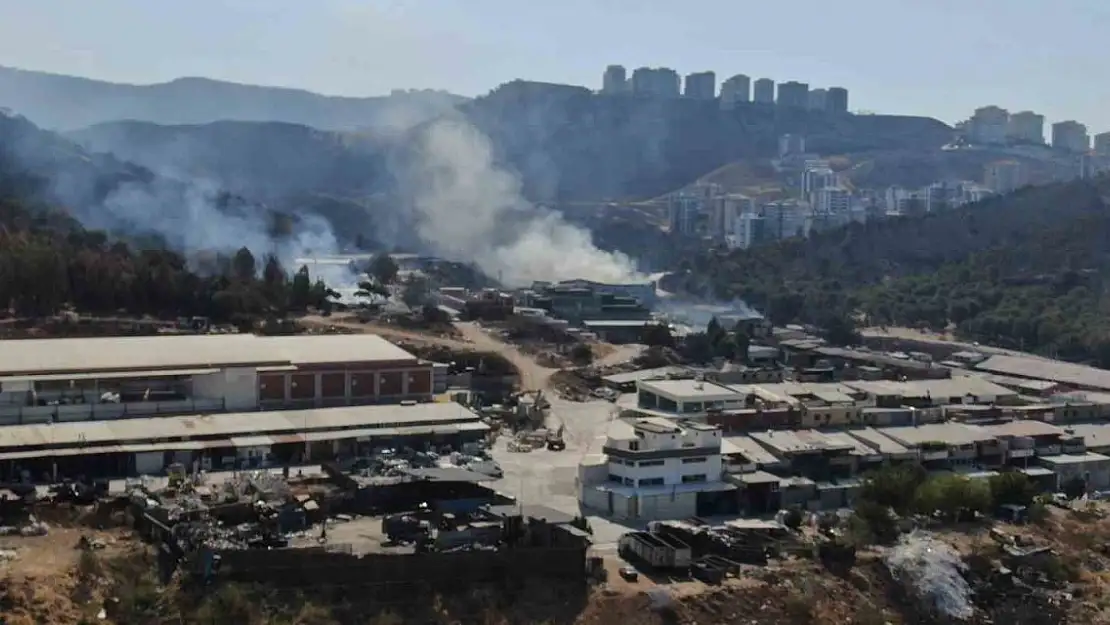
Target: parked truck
(657,552)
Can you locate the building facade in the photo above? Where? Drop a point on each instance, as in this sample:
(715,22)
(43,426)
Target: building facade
(763,91)
(736,90)
(701,86)
(836,101)
(1004,176)
(659,82)
(1026,127)
(793,94)
(1070,136)
(615,80)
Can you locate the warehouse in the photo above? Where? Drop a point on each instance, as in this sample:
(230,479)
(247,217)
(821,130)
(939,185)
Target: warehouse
(1075,376)
(82,379)
(228,440)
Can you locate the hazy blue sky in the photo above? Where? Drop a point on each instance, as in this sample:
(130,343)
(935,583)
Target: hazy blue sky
(931,57)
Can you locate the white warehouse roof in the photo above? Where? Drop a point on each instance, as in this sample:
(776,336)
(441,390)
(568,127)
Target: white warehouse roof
(33,357)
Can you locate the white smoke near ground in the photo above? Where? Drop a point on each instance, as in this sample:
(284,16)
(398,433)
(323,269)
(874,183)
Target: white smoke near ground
(185,214)
(466,208)
(933,571)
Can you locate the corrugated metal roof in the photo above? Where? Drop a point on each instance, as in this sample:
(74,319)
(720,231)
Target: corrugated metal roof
(1044,369)
(32,357)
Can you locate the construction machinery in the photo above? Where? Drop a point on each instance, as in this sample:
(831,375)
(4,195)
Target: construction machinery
(555,440)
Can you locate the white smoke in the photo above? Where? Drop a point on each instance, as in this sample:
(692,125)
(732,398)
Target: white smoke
(933,571)
(468,209)
(184,213)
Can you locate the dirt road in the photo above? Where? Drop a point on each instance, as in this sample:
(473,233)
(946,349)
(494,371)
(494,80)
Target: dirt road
(384,330)
(532,375)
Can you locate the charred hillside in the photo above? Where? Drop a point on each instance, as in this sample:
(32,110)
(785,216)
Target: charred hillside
(571,144)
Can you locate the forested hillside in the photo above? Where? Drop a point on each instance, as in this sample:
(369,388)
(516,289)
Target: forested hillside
(1026,270)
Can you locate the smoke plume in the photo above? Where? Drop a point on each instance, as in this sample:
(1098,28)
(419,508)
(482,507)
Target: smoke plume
(466,208)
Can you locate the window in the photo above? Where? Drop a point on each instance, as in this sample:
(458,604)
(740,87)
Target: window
(652,481)
(694,460)
(634,445)
(650,463)
(613,477)
(694,479)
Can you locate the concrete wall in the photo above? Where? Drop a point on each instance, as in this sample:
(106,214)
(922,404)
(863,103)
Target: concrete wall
(237,387)
(445,571)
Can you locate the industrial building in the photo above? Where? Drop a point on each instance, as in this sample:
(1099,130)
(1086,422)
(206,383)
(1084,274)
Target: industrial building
(238,440)
(657,469)
(83,379)
(132,406)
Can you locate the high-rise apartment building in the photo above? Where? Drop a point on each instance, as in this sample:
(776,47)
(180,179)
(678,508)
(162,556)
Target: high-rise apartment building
(793,94)
(837,100)
(1102,144)
(791,144)
(615,80)
(1026,127)
(989,126)
(701,86)
(661,82)
(818,99)
(834,200)
(1070,136)
(1004,176)
(763,91)
(735,90)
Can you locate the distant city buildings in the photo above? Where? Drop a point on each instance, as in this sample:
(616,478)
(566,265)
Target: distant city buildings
(791,144)
(1102,144)
(988,126)
(735,90)
(763,91)
(660,82)
(1026,127)
(836,101)
(615,80)
(1004,176)
(1070,136)
(818,99)
(793,94)
(701,86)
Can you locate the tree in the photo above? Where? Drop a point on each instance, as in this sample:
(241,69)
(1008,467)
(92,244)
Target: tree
(657,335)
(415,292)
(872,523)
(1074,488)
(383,268)
(581,354)
(243,265)
(893,487)
(793,518)
(1012,488)
(370,289)
(954,497)
(741,342)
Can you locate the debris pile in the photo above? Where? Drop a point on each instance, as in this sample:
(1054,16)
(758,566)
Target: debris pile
(933,572)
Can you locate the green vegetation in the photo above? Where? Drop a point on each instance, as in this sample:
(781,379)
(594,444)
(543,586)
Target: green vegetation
(906,490)
(1022,271)
(49,263)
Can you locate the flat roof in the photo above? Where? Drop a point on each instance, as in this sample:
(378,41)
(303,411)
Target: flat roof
(619,323)
(689,389)
(33,357)
(948,433)
(228,425)
(1044,369)
(799,441)
(961,386)
(643,374)
(1022,383)
(830,392)
(1023,427)
(749,448)
(1089,456)
(876,440)
(449,474)
(1094,434)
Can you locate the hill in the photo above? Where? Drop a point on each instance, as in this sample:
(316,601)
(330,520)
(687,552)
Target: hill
(260,159)
(1023,270)
(68,102)
(570,144)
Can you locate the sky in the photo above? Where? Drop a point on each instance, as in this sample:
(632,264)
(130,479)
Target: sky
(939,58)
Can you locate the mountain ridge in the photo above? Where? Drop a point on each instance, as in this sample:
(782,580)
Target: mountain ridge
(64,102)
